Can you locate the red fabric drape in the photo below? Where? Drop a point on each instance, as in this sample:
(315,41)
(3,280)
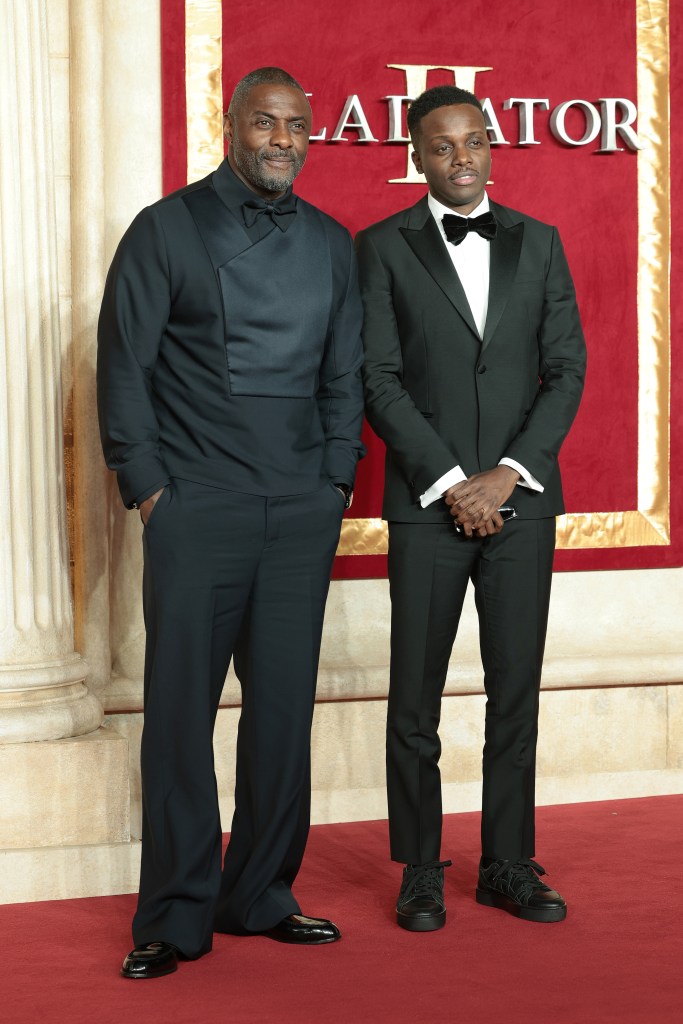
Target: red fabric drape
(556,51)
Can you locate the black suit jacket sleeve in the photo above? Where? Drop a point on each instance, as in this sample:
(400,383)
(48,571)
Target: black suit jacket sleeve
(562,368)
(340,392)
(421,454)
(134,314)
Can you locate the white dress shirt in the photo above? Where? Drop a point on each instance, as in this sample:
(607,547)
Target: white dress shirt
(471,260)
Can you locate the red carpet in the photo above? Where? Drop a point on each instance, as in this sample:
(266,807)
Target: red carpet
(617,958)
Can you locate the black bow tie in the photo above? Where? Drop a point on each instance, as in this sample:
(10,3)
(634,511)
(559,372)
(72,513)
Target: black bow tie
(281,214)
(456,228)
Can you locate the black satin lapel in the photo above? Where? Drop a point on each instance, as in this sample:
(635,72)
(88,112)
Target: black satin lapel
(223,235)
(428,246)
(505,250)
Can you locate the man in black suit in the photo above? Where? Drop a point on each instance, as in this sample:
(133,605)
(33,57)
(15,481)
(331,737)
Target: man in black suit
(473,374)
(230,407)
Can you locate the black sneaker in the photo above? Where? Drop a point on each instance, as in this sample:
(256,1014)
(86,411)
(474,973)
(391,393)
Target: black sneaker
(420,906)
(515,886)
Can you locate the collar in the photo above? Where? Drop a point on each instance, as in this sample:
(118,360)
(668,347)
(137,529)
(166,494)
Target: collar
(438,210)
(235,193)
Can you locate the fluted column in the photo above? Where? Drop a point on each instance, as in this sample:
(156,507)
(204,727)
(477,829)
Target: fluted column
(42,690)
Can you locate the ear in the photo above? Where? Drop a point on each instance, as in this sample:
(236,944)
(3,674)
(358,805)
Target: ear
(227,126)
(415,157)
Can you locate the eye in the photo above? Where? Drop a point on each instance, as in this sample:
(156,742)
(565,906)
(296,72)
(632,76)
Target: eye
(476,143)
(443,148)
(263,122)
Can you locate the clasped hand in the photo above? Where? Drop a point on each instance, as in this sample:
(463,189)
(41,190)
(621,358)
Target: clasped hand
(474,502)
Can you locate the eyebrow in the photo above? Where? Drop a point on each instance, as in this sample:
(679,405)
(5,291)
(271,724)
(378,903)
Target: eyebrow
(273,117)
(477,131)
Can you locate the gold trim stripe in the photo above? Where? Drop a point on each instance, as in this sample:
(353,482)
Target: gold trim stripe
(203,86)
(654,229)
(363,537)
(649,524)
(590,530)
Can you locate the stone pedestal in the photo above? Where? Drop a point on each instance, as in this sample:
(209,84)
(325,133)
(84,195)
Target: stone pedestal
(87,802)
(64,818)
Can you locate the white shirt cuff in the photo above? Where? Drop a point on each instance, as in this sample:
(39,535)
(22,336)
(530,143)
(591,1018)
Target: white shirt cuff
(453,476)
(527,479)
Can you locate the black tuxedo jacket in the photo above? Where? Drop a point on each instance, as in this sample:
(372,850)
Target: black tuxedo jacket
(227,358)
(436,393)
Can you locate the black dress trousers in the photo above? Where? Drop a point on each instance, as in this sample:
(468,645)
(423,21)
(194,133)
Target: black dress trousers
(229,574)
(429,569)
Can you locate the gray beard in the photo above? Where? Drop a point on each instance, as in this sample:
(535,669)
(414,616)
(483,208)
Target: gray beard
(252,166)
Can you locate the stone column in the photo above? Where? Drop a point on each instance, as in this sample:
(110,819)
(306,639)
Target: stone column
(43,694)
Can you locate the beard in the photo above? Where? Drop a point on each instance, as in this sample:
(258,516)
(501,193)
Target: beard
(254,168)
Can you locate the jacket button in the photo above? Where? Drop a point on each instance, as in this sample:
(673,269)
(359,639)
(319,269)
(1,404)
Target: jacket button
(481,369)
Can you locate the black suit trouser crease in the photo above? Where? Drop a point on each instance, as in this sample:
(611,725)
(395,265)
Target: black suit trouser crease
(429,570)
(243,577)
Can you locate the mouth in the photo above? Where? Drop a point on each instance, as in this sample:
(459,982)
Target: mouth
(464,178)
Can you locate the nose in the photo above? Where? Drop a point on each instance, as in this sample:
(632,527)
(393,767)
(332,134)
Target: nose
(281,137)
(462,155)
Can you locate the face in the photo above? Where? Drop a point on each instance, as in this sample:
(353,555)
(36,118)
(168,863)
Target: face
(453,152)
(268,138)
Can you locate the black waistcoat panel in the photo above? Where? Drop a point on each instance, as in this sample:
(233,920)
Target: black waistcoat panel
(244,414)
(276,299)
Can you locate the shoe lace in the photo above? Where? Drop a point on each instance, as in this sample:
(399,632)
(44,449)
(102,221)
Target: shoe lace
(519,877)
(425,879)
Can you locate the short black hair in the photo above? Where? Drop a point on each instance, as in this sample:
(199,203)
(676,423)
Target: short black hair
(431,99)
(261,76)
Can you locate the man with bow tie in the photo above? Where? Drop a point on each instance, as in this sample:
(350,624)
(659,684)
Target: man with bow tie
(473,374)
(231,406)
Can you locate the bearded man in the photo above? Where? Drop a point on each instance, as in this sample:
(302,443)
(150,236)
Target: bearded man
(230,408)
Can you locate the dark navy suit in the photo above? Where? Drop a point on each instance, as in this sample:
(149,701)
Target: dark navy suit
(229,374)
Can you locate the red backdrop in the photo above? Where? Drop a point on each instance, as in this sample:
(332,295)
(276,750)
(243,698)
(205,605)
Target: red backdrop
(557,51)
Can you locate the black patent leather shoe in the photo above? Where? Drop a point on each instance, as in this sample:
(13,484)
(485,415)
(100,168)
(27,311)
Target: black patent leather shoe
(421,906)
(515,886)
(151,960)
(304,931)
